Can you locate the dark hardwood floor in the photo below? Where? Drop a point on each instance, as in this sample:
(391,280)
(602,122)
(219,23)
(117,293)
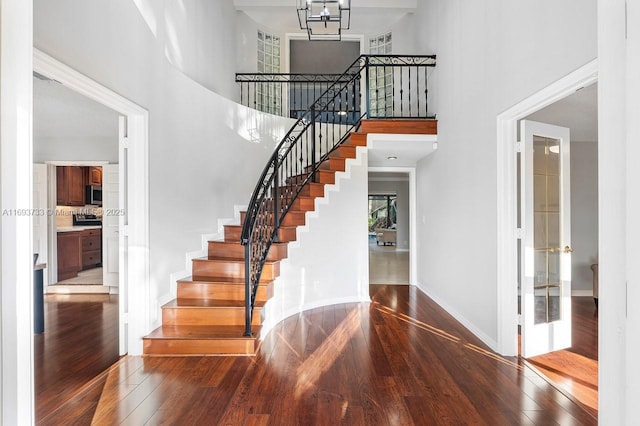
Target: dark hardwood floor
(575,370)
(400,360)
(80,341)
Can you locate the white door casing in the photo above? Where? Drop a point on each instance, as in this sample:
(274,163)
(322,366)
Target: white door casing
(40,217)
(546,244)
(110,225)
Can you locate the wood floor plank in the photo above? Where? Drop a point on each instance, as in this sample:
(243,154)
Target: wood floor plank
(575,370)
(399,360)
(85,323)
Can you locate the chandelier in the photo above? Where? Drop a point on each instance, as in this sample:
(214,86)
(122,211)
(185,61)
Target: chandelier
(324,19)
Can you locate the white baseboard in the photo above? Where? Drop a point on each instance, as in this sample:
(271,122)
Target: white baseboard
(272,319)
(469,325)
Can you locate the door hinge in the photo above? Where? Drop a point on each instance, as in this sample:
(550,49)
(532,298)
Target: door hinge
(125,230)
(518,146)
(519,319)
(125,318)
(125,142)
(519,233)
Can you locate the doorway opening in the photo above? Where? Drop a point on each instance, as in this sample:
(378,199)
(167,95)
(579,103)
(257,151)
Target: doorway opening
(389,228)
(574,368)
(112,188)
(570,102)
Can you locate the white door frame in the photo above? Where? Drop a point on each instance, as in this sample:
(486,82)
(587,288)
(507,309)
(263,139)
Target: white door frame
(136,226)
(413,236)
(507,193)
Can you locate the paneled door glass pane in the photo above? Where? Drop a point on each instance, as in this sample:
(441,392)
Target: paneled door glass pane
(547,229)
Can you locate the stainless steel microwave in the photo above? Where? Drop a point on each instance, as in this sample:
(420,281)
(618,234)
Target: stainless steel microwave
(93,195)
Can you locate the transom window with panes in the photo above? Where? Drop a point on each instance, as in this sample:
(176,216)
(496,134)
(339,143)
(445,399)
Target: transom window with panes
(380,79)
(268,95)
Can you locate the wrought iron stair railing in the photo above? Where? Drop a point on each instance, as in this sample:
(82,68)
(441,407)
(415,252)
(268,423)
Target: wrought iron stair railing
(395,86)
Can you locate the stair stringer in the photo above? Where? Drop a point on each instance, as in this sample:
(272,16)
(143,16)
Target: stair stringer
(174,277)
(328,263)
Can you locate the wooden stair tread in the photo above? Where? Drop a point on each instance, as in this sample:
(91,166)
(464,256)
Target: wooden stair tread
(224,260)
(239,244)
(208,303)
(212,281)
(202,332)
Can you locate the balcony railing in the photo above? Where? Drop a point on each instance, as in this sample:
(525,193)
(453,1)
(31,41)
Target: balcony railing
(395,86)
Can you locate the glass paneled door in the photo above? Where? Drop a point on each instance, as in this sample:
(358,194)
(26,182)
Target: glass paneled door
(546,262)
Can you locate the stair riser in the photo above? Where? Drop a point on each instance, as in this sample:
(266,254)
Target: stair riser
(285,235)
(313,190)
(309,190)
(322,176)
(301,204)
(194,347)
(335,164)
(292,218)
(220,250)
(357,139)
(232,233)
(208,316)
(231,270)
(423,127)
(344,151)
(220,291)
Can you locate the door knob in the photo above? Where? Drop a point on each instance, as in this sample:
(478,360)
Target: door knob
(567,249)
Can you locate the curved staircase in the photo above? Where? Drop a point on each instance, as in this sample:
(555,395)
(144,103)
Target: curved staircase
(208,315)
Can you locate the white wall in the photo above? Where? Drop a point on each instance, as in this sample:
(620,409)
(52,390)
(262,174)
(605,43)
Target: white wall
(489,58)
(196,36)
(401,189)
(205,152)
(584,214)
(75,149)
(329,262)
(16,258)
(619,208)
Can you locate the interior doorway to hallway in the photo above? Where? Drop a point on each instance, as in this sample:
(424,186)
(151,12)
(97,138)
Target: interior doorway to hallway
(389,228)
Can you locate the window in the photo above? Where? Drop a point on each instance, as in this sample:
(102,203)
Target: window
(380,79)
(268,96)
(382,212)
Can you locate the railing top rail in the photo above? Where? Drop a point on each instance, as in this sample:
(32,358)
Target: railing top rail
(401,60)
(247,77)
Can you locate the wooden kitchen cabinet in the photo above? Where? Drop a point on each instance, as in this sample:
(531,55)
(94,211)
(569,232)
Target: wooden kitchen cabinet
(91,248)
(69,254)
(94,176)
(70,183)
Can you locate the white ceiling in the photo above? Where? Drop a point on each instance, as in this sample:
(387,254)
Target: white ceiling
(578,112)
(366,15)
(408,149)
(61,113)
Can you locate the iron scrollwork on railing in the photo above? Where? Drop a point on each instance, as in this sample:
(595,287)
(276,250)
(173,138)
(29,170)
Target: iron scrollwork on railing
(322,124)
(395,86)
(288,95)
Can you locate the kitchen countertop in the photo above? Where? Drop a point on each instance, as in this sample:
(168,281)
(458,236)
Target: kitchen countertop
(77,228)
